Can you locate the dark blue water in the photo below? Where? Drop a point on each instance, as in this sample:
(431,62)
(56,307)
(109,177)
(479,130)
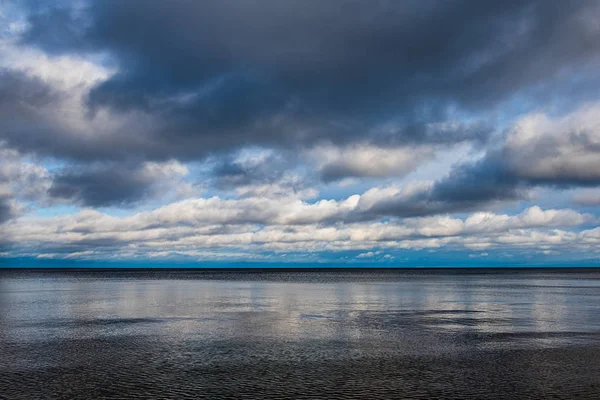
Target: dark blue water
(337,334)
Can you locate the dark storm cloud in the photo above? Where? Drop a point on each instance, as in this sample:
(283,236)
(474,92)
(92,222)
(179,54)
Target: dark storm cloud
(18,90)
(99,187)
(21,97)
(221,75)
(119,184)
(31,121)
(468,186)
(198,79)
(6,210)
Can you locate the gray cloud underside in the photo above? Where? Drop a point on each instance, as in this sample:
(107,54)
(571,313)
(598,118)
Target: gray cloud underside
(560,152)
(217,76)
(537,150)
(110,185)
(6,209)
(381,86)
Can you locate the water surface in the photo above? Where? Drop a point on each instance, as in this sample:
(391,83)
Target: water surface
(257,334)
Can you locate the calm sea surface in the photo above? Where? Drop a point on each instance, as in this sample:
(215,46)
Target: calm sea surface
(337,334)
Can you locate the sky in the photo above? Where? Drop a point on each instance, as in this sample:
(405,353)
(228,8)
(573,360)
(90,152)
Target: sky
(362,133)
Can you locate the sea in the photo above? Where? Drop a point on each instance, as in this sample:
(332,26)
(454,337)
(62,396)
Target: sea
(300,334)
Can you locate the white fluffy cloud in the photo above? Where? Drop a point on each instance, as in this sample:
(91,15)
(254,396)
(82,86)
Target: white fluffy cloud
(366,160)
(254,225)
(566,148)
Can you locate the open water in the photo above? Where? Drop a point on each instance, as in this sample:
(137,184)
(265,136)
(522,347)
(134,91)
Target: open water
(485,334)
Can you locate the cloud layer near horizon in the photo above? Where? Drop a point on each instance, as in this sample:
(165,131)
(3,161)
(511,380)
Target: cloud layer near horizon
(299,130)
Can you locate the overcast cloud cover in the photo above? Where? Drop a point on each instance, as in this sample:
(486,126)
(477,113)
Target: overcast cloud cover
(360,132)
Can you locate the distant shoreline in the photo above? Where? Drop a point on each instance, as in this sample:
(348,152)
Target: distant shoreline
(305,269)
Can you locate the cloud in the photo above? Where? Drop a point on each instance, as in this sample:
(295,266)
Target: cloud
(458,192)
(368,254)
(364,160)
(563,150)
(249,167)
(8,207)
(217,77)
(284,224)
(27,180)
(21,99)
(587,197)
(116,184)
(538,150)
(20,182)
(42,106)
(310,126)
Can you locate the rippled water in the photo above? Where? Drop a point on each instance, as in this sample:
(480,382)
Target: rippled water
(337,334)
